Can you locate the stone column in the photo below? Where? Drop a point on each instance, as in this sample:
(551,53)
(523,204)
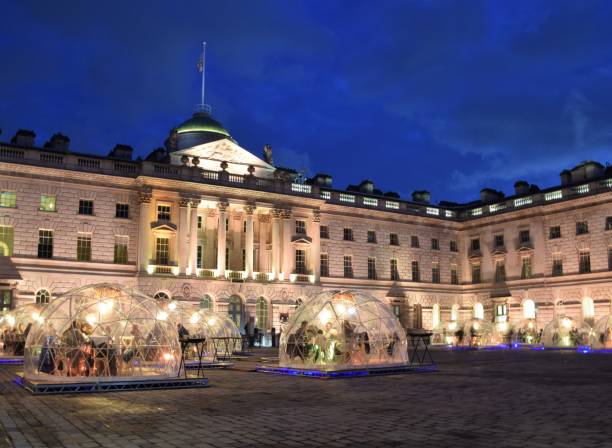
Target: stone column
(183,248)
(249,209)
(264,262)
(193,237)
(315,253)
(287,255)
(276,241)
(144,229)
(221,238)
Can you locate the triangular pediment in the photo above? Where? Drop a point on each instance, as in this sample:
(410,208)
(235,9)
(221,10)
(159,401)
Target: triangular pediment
(225,150)
(163,226)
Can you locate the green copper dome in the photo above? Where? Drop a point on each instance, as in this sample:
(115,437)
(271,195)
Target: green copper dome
(202,122)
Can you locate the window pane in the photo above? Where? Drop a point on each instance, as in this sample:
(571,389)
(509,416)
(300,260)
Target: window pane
(47,203)
(8,199)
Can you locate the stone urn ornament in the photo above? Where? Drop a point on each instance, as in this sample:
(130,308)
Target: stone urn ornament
(184,160)
(195,161)
(224,165)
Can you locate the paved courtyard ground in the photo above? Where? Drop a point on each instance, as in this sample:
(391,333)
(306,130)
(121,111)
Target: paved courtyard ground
(477,399)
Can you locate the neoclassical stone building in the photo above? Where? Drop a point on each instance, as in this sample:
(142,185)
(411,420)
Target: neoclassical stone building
(206,221)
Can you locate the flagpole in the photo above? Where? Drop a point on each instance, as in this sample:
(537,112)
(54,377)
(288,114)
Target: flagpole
(203,70)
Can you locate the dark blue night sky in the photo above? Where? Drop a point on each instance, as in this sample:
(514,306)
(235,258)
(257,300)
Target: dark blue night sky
(450,96)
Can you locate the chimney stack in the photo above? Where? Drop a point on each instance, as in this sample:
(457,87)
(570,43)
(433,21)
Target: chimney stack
(58,142)
(24,137)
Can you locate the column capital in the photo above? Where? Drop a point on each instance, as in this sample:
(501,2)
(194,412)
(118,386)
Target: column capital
(249,209)
(184,202)
(223,205)
(264,218)
(286,214)
(277,213)
(194,201)
(316,215)
(145,194)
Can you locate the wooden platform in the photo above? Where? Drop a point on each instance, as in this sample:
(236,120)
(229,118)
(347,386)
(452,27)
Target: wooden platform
(48,388)
(348,373)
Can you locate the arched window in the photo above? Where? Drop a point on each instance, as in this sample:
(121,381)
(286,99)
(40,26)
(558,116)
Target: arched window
(234,310)
(207,302)
(478,311)
(529,311)
(435,315)
(43,296)
(160,295)
(261,313)
(455,313)
(588,308)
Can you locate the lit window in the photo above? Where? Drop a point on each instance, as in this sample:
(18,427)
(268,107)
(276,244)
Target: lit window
(47,203)
(553,195)
(349,198)
(476,211)
(45,244)
(86,207)
(520,202)
(84,247)
(162,296)
(370,202)
(497,207)
(433,211)
(392,205)
(394,270)
(582,189)
(8,199)
(6,241)
(526,268)
(300,262)
(261,313)
(121,249)
(301,188)
(122,211)
(325,195)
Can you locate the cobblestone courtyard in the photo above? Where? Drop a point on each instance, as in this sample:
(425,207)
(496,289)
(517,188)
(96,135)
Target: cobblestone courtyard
(477,399)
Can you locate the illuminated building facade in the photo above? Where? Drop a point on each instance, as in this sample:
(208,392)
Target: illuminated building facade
(205,220)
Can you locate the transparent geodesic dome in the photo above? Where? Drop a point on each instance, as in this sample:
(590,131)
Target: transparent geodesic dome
(477,333)
(221,333)
(526,332)
(102,332)
(21,317)
(502,333)
(602,333)
(566,332)
(342,330)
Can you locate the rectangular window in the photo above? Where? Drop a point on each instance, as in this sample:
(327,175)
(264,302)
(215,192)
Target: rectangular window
(45,244)
(163,212)
(500,271)
(416,275)
(227,224)
(347,198)
(453,246)
(476,273)
(608,222)
(414,241)
(324,232)
(435,273)
(324,265)
(348,234)
(393,239)
(122,211)
(47,203)
(475,244)
(8,199)
(199,257)
(84,247)
(554,232)
(524,237)
(162,251)
(499,240)
(372,268)
(371,236)
(394,270)
(86,207)
(300,262)
(609,258)
(584,262)
(121,249)
(526,267)
(300,227)
(371,202)
(5,300)
(454,275)
(227,258)
(557,266)
(435,244)
(6,241)
(243,260)
(199,222)
(348,266)
(582,228)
